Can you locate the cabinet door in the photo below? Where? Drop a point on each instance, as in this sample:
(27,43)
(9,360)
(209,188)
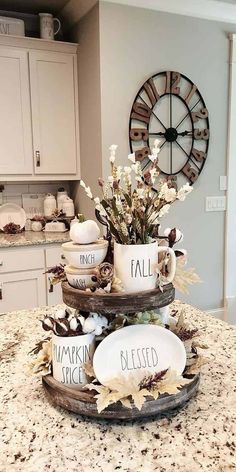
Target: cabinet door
(22,290)
(54,112)
(15,116)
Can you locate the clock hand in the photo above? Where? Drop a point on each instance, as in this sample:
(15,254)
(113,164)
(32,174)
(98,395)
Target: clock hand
(157,134)
(185,133)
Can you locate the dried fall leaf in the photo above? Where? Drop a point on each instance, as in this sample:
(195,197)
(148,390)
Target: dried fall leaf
(196,366)
(88,369)
(126,402)
(171,383)
(183,278)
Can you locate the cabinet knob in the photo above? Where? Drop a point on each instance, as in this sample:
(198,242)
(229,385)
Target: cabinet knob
(1,263)
(63,257)
(1,291)
(37,155)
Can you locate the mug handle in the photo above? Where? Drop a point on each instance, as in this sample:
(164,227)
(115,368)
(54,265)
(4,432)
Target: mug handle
(170,251)
(59,25)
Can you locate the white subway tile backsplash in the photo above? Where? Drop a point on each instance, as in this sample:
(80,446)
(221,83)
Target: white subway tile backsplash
(12,193)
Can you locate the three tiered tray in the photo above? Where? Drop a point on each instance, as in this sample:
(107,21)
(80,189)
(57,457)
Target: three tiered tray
(83,401)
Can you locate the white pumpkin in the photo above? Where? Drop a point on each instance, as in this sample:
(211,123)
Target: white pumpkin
(85,233)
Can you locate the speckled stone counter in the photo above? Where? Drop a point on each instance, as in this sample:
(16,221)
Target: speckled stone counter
(31,238)
(36,437)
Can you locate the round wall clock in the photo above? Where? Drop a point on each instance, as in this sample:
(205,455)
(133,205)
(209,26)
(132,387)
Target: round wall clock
(170,107)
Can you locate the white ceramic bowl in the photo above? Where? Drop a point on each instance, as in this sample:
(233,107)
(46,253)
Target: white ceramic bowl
(79,278)
(85,256)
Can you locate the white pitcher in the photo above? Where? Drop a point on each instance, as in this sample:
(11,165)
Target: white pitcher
(47,30)
(135,265)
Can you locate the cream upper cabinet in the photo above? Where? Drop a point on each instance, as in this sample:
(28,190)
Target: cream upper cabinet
(54,112)
(39,132)
(15,113)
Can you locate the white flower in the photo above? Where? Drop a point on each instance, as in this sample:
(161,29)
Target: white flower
(153,173)
(112,150)
(82,184)
(138,178)
(140,193)
(96,200)
(110,180)
(101,210)
(152,157)
(136,168)
(184,191)
(119,172)
(88,192)
(156,143)
(112,158)
(164,210)
(131,157)
(167,194)
(127,170)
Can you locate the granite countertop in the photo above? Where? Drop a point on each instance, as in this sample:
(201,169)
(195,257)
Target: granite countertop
(36,436)
(32,238)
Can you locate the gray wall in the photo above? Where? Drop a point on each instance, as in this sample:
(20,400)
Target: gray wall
(86,33)
(136,43)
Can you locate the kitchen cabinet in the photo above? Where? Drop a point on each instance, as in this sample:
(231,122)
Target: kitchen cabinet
(23,281)
(15,113)
(22,290)
(39,135)
(53,112)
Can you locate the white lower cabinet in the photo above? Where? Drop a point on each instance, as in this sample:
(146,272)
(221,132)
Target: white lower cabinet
(22,290)
(23,282)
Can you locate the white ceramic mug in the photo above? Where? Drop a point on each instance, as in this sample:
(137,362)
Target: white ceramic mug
(47,23)
(135,265)
(69,353)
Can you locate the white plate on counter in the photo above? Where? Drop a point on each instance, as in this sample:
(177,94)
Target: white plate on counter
(12,213)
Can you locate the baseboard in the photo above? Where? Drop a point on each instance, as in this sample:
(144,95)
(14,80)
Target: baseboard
(218,313)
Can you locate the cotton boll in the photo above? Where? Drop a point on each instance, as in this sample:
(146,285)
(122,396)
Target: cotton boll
(60,314)
(81,319)
(179,236)
(167,232)
(48,323)
(100,320)
(73,323)
(98,331)
(89,325)
(174,235)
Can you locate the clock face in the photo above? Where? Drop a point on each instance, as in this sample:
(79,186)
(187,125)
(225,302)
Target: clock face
(170,107)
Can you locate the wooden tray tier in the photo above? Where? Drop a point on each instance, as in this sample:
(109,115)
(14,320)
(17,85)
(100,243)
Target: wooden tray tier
(83,402)
(114,303)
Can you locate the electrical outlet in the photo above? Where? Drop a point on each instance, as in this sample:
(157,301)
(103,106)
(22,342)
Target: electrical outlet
(215,204)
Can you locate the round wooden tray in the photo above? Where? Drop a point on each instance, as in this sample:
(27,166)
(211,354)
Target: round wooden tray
(109,303)
(84,403)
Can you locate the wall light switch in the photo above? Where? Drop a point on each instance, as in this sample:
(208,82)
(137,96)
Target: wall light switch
(215,203)
(223,182)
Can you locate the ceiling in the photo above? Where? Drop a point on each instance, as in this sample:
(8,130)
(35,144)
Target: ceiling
(33,6)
